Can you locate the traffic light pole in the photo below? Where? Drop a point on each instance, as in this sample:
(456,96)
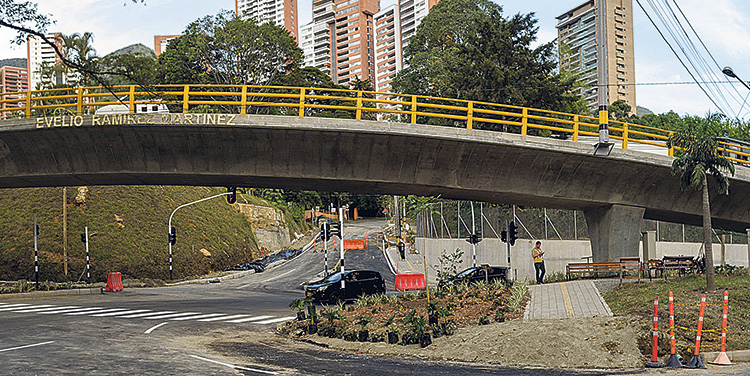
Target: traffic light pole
(169,225)
(507,245)
(88,261)
(36,257)
(473,231)
(341,231)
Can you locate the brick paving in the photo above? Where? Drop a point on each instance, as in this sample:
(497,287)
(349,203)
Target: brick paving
(564,300)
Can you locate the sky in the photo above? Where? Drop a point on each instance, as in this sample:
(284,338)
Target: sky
(722,25)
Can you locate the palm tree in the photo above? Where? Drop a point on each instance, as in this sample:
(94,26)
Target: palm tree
(697,140)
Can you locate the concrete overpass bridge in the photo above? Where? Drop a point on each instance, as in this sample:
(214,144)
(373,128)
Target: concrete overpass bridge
(369,156)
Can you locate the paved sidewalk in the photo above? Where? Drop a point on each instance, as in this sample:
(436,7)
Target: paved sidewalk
(565,300)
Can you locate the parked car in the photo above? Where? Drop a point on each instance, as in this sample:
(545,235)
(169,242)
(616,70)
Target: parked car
(478,273)
(358,283)
(152,107)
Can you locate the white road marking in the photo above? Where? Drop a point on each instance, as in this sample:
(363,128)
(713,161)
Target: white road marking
(198,317)
(27,307)
(151,329)
(243,286)
(15,305)
(275,320)
(172,315)
(121,313)
(71,310)
(233,366)
(256,318)
(27,346)
(45,309)
(280,275)
(137,315)
(93,312)
(224,318)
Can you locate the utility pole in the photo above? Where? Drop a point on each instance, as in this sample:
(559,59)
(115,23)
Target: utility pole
(473,232)
(65,230)
(603,147)
(36,257)
(88,262)
(397,218)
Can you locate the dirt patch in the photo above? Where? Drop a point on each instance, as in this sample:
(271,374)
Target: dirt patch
(601,342)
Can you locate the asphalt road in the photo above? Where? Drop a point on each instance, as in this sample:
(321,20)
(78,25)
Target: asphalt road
(224,328)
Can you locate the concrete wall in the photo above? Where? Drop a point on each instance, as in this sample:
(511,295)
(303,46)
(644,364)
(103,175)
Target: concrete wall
(558,253)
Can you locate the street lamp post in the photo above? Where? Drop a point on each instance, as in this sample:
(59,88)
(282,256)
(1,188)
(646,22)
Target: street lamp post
(730,73)
(169,224)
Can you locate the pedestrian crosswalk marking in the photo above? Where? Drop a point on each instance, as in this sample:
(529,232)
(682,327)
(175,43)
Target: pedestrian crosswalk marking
(257,318)
(145,314)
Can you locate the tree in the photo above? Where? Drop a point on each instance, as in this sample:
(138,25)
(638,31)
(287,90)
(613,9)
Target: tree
(224,49)
(619,110)
(466,49)
(697,143)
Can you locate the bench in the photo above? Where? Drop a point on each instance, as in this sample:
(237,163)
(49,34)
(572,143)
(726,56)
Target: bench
(681,263)
(654,264)
(630,263)
(592,267)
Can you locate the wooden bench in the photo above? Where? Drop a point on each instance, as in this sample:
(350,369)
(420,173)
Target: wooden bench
(681,263)
(630,263)
(592,267)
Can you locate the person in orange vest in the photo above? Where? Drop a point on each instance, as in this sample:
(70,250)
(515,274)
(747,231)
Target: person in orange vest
(537,254)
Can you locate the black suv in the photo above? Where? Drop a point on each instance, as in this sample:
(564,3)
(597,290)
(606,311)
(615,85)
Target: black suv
(358,283)
(478,273)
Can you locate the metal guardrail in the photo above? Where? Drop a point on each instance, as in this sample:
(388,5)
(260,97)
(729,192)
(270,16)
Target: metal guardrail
(360,105)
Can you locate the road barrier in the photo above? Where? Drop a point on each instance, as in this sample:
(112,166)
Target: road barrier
(654,362)
(700,331)
(114,282)
(412,281)
(354,244)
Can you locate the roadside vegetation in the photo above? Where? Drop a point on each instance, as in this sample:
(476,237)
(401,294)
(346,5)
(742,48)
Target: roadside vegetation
(412,318)
(637,300)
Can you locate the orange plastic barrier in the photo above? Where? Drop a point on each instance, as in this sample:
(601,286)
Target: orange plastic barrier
(354,244)
(412,281)
(114,282)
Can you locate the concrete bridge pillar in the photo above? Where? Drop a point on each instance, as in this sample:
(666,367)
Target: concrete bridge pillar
(615,231)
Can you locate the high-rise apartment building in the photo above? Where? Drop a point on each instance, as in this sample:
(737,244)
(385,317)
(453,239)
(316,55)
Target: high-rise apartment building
(40,54)
(12,80)
(161,42)
(282,13)
(577,32)
(339,41)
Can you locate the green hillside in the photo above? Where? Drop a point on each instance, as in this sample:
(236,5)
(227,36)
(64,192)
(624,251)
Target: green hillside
(131,232)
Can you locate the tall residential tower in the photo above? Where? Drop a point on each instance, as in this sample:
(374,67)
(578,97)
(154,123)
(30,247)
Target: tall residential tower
(282,13)
(577,32)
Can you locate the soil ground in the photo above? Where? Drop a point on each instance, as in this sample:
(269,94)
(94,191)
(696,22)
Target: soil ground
(601,342)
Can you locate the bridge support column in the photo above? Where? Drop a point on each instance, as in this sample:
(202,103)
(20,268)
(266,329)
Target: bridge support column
(615,231)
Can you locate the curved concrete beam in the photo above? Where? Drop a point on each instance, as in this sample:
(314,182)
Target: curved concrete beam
(349,155)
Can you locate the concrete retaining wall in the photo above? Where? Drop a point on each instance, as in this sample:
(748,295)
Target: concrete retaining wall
(558,253)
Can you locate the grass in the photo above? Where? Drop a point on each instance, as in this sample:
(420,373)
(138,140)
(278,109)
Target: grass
(136,245)
(637,299)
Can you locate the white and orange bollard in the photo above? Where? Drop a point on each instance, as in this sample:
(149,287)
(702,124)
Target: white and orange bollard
(722,359)
(655,362)
(674,360)
(695,361)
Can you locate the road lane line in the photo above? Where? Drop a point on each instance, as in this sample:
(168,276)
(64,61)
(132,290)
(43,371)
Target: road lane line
(16,305)
(198,317)
(172,315)
(280,275)
(28,307)
(275,320)
(72,310)
(45,309)
(121,313)
(137,315)
(256,318)
(224,318)
(151,329)
(26,346)
(94,312)
(233,366)
(243,286)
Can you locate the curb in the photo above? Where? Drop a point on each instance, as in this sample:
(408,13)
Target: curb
(742,356)
(42,294)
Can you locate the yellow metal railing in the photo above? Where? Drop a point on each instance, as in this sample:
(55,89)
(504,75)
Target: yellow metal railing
(300,101)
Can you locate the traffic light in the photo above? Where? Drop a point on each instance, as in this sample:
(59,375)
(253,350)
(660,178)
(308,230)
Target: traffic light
(172,236)
(336,229)
(512,233)
(83,238)
(402,250)
(474,238)
(504,236)
(232,196)
(36,227)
